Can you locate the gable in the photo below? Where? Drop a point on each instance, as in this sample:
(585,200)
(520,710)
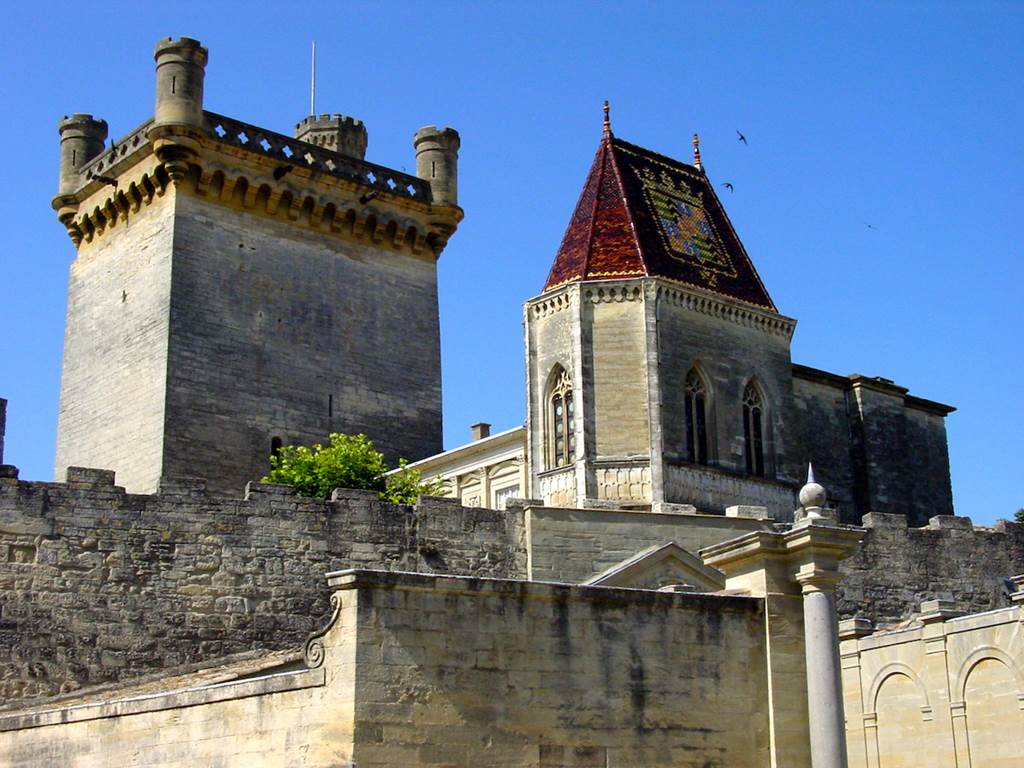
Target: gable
(658,567)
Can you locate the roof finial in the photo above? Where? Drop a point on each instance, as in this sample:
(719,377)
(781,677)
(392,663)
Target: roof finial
(696,153)
(607,118)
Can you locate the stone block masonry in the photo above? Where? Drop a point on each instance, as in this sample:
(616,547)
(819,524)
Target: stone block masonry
(98,585)
(897,567)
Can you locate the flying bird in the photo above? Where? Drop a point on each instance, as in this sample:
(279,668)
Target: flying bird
(728,186)
(869,226)
(281,170)
(742,137)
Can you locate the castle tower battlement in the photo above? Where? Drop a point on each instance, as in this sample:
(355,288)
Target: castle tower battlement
(234,286)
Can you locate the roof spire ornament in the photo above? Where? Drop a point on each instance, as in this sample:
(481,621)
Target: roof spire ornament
(607,119)
(696,153)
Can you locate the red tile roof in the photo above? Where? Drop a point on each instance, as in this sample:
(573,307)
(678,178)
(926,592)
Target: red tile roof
(644,214)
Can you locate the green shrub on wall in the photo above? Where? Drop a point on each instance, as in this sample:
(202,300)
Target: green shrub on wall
(349,461)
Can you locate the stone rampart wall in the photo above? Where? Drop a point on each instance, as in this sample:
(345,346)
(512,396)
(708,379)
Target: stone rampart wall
(897,567)
(98,585)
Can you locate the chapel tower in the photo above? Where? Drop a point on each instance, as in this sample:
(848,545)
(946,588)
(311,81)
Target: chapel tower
(659,370)
(235,289)
(658,365)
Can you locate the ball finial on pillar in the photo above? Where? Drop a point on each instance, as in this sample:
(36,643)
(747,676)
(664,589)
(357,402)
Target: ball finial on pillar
(812,496)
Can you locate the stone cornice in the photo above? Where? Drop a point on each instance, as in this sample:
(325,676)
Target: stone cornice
(874,383)
(731,310)
(676,294)
(377,205)
(550,302)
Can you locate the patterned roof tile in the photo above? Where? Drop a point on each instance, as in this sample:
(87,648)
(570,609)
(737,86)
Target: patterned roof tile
(642,213)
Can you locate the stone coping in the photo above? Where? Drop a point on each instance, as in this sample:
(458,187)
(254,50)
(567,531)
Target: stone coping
(743,524)
(953,626)
(278,682)
(550,591)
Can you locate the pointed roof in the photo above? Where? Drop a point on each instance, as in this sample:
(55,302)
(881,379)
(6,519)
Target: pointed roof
(643,214)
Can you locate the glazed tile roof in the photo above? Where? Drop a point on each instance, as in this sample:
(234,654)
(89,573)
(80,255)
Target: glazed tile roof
(644,214)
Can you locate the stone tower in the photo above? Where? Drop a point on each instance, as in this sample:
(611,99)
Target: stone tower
(236,289)
(659,369)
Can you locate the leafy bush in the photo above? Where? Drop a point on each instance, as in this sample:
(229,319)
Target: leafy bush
(1019,516)
(406,486)
(350,461)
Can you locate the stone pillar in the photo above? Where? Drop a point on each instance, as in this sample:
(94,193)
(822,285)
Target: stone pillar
(933,617)
(850,633)
(796,572)
(824,684)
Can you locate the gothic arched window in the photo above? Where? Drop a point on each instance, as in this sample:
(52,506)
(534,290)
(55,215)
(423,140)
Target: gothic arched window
(753,429)
(561,420)
(696,418)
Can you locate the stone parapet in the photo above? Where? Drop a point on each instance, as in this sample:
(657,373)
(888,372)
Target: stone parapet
(898,567)
(99,585)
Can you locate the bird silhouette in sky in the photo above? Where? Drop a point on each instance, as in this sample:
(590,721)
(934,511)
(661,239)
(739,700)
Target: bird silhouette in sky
(727,185)
(870,226)
(742,137)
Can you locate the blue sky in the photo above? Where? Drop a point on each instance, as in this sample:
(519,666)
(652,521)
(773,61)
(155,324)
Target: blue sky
(904,117)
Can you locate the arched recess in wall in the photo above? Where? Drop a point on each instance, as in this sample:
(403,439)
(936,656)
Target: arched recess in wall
(698,417)
(559,419)
(898,702)
(756,431)
(990,683)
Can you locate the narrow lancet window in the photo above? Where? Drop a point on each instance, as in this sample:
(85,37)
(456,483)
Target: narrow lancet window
(696,419)
(753,430)
(562,421)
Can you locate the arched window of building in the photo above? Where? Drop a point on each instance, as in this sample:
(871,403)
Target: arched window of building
(561,420)
(696,418)
(753,429)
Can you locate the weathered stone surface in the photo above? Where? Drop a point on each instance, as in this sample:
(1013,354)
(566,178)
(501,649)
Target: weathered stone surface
(98,585)
(428,672)
(898,567)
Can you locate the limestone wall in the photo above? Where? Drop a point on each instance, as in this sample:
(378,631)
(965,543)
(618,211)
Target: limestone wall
(613,340)
(99,585)
(897,567)
(462,672)
(873,445)
(113,382)
(729,354)
(572,545)
(440,672)
(277,331)
(950,690)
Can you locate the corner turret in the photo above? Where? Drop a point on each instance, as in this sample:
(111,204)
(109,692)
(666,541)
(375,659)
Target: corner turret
(339,133)
(82,138)
(437,159)
(180,71)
